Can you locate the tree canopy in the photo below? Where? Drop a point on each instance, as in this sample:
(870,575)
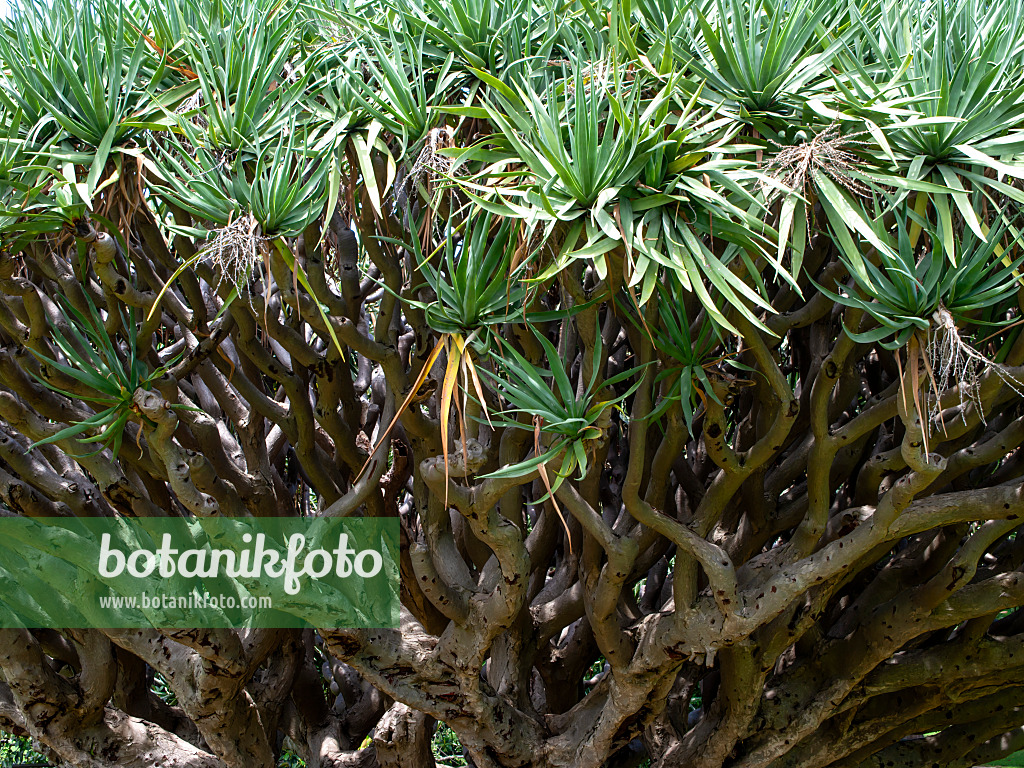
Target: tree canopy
(682,336)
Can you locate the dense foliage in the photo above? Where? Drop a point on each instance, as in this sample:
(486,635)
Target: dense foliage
(682,336)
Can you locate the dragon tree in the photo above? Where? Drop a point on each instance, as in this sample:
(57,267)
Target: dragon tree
(682,337)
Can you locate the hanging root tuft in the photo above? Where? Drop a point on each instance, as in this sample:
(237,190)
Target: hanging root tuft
(234,251)
(955,363)
(431,165)
(192,104)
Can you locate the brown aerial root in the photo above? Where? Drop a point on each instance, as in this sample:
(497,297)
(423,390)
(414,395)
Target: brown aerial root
(951,363)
